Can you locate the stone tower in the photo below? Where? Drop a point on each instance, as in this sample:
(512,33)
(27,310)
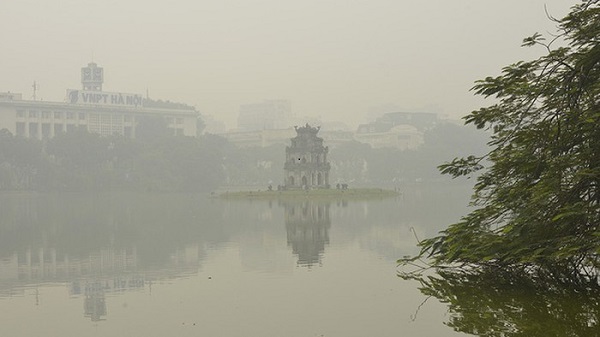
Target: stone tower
(306,164)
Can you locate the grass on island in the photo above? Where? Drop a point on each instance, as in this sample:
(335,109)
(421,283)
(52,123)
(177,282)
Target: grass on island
(354,193)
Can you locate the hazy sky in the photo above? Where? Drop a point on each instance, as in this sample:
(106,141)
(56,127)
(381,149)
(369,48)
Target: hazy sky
(337,59)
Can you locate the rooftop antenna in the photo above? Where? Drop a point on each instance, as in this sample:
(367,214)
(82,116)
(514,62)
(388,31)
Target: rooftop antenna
(35,88)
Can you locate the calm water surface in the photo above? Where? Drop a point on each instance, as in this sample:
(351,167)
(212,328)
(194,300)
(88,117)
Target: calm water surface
(125,264)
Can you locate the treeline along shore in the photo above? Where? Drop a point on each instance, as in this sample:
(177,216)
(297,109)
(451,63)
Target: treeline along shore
(158,161)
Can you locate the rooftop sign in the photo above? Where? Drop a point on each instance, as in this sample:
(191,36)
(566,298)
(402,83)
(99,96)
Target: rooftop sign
(103,98)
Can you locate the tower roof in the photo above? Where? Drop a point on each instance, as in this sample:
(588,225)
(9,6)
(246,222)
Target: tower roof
(307,129)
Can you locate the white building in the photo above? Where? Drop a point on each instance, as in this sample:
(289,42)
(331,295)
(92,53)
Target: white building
(403,137)
(401,130)
(105,113)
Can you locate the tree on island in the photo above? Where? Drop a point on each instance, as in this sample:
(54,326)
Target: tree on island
(537,204)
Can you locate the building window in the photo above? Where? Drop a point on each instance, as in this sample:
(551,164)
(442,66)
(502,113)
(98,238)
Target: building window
(70,115)
(58,128)
(178,120)
(20,129)
(45,114)
(81,115)
(57,115)
(33,130)
(20,114)
(127,118)
(33,114)
(46,130)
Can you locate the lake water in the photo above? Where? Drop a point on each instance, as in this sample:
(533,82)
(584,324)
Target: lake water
(125,264)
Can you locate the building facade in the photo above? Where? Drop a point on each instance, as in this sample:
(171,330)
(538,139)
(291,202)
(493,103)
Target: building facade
(403,137)
(306,165)
(104,113)
(401,130)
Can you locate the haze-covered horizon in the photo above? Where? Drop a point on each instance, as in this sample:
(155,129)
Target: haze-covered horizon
(334,60)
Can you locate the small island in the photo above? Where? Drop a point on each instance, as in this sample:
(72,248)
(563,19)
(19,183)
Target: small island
(333,194)
(307,174)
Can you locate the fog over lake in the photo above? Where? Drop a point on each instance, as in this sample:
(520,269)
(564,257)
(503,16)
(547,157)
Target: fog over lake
(156,264)
(269,167)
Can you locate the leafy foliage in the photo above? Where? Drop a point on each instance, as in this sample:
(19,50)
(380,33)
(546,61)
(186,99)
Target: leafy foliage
(488,303)
(79,160)
(537,205)
(358,163)
(20,160)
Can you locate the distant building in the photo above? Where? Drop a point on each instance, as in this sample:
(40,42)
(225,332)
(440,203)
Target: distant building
(213,125)
(105,113)
(265,138)
(259,138)
(404,137)
(402,130)
(266,115)
(306,164)
(420,120)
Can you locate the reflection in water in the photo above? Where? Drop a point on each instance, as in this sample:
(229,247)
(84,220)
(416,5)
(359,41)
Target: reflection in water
(307,224)
(45,264)
(502,304)
(99,244)
(95,289)
(150,262)
(94,304)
